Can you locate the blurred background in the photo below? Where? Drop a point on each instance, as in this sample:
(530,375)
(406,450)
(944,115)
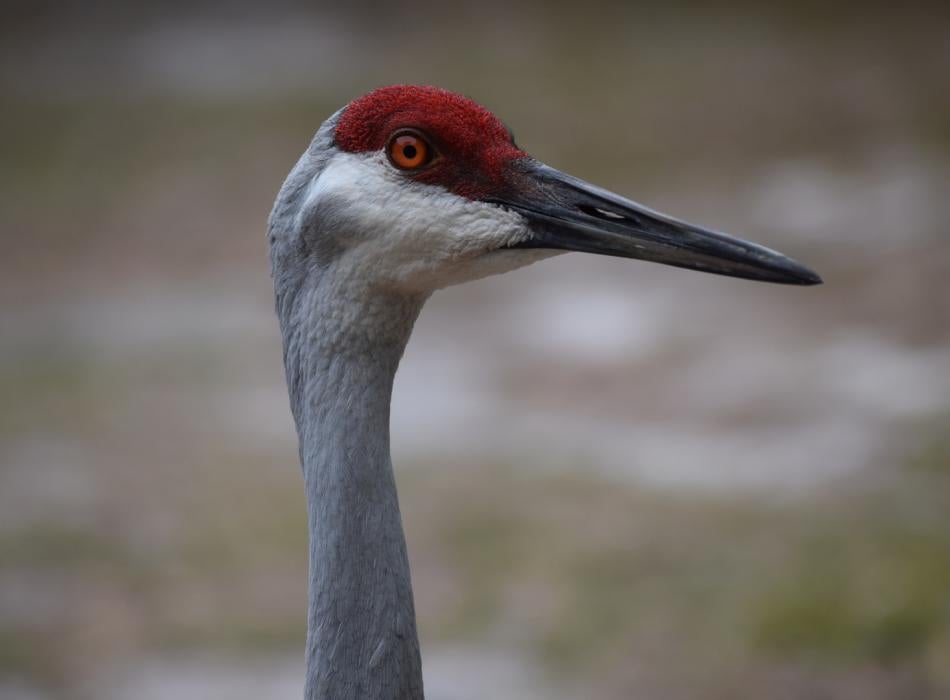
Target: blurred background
(618,480)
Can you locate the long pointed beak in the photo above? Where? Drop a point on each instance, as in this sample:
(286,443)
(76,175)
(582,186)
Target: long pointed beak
(567,213)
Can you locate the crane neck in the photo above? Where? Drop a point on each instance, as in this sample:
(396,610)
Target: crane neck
(341,350)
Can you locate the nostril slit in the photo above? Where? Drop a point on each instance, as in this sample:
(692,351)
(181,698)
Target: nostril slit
(601,213)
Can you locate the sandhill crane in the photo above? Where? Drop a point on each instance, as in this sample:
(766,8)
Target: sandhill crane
(401,192)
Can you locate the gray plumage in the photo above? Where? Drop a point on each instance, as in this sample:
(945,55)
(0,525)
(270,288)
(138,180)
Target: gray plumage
(340,364)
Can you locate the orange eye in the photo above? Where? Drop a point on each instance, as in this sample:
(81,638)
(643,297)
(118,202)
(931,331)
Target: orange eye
(409,151)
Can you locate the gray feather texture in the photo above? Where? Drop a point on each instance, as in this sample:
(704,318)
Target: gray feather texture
(343,338)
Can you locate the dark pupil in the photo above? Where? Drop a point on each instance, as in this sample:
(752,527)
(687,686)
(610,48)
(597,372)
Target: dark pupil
(409,151)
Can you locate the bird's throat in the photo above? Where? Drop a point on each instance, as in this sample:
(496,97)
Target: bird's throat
(361,640)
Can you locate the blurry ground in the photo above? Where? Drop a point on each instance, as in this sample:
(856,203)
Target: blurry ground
(629,479)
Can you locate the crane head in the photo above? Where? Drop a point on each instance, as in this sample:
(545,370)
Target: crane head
(421,188)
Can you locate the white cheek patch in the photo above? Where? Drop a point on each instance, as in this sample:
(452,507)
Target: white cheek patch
(406,232)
